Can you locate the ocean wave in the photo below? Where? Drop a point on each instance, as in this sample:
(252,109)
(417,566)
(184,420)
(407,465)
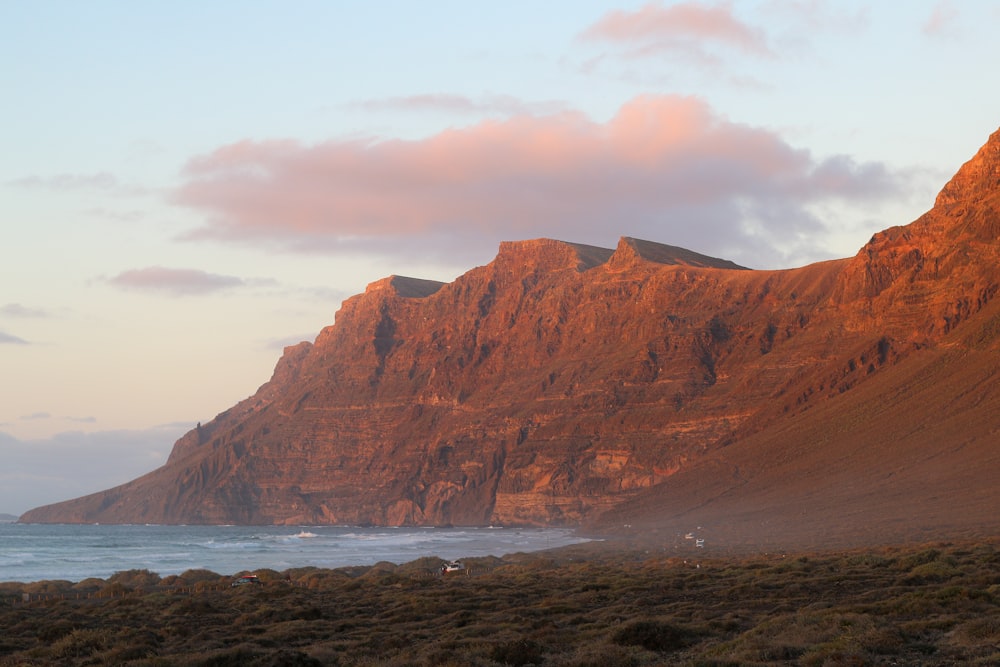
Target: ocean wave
(76,552)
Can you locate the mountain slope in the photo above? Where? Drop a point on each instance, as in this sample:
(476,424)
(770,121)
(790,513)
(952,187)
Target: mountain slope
(561,380)
(910,455)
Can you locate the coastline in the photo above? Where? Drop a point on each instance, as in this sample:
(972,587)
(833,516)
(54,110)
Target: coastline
(72,552)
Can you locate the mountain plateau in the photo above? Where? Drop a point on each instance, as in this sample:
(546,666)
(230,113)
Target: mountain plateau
(644,388)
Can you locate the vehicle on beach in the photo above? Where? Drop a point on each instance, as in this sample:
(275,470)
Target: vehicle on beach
(245,579)
(452,566)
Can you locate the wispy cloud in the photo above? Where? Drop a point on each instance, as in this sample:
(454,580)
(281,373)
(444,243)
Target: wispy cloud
(131,216)
(714,38)
(99,180)
(18,310)
(10,339)
(504,105)
(285,341)
(691,29)
(46,416)
(667,168)
(176,282)
(67,182)
(941,20)
(817,15)
(81,420)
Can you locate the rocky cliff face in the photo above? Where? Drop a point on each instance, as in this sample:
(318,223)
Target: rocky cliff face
(561,380)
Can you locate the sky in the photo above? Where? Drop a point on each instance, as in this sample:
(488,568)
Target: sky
(186,188)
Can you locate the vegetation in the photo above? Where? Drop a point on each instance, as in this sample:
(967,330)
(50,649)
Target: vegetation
(929,605)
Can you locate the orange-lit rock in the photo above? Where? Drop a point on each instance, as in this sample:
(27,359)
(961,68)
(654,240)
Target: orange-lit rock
(561,383)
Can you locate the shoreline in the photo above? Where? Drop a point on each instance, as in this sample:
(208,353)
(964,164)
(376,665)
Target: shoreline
(37,552)
(597,545)
(607,548)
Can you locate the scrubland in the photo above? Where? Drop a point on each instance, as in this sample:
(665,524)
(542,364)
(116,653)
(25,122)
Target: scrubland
(932,604)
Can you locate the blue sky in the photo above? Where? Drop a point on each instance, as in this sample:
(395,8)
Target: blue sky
(186,188)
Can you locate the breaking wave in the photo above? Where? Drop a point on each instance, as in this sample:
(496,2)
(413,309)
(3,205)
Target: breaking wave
(35,552)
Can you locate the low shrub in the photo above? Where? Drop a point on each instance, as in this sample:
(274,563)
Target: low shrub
(80,644)
(132,579)
(978,632)
(655,636)
(518,653)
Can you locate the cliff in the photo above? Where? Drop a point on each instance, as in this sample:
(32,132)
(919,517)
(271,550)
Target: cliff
(562,383)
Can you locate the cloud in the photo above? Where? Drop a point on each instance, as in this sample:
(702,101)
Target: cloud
(941,20)
(44,416)
(691,29)
(504,105)
(713,39)
(17,310)
(286,341)
(99,181)
(817,15)
(81,420)
(10,339)
(68,182)
(72,464)
(665,168)
(131,216)
(177,282)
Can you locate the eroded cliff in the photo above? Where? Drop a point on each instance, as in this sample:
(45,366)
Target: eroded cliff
(561,379)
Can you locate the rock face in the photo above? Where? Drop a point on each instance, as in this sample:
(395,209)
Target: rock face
(562,383)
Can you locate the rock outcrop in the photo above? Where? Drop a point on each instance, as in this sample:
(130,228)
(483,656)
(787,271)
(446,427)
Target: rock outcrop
(562,380)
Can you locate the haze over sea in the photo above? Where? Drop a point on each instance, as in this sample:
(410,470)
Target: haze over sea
(36,552)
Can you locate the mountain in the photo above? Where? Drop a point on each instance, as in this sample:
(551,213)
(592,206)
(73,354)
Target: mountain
(637,389)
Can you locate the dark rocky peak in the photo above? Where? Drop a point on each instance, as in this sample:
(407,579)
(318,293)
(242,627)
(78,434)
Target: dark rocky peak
(402,286)
(378,293)
(549,255)
(631,251)
(411,288)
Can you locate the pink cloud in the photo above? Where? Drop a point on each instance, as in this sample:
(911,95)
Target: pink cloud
(664,167)
(688,27)
(177,282)
(941,19)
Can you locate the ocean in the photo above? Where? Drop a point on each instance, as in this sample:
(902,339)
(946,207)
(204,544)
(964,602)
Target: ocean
(36,552)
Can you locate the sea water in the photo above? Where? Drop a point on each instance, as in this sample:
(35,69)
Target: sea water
(36,552)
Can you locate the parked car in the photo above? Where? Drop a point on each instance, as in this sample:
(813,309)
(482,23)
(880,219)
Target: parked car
(245,579)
